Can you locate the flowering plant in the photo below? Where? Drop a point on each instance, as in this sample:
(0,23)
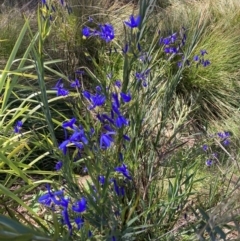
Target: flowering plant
(116,131)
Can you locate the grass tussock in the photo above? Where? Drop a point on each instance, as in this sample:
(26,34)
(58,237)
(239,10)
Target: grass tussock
(215,89)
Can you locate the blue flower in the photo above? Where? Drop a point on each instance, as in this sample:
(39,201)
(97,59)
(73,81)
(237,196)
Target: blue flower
(127,138)
(118,83)
(226,142)
(75,84)
(115,100)
(125,97)
(18,127)
(105,117)
(63,202)
(62,2)
(79,221)
(209,162)
(173,37)
(80,205)
(223,135)
(140,76)
(89,234)
(227,134)
(79,145)
(133,22)
(79,135)
(203,52)
(106,140)
(98,89)
(63,147)
(123,169)
(86,32)
(205,63)
(96,100)
(169,40)
(205,147)
(58,165)
(196,58)
(106,32)
(200,59)
(50,197)
(165,41)
(108,128)
(121,121)
(69,123)
(170,50)
(143,77)
(118,190)
(66,220)
(101,179)
(115,110)
(179,64)
(60,90)
(87,95)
